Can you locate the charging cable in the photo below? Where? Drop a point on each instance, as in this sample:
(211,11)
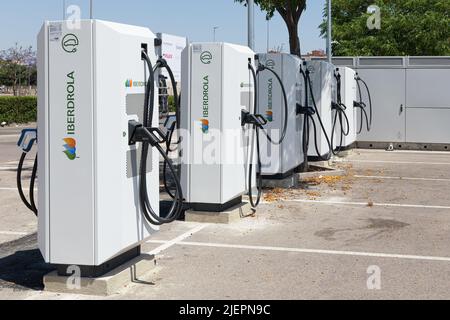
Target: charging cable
(309,119)
(341,115)
(26,142)
(153,137)
(363,106)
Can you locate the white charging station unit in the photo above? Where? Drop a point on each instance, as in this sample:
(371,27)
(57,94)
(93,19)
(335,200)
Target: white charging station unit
(349,96)
(216,149)
(91,83)
(280,161)
(324,88)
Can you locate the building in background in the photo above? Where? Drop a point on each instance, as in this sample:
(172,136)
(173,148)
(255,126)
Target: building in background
(315,54)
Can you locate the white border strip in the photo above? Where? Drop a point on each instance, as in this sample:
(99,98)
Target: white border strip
(393,162)
(12,189)
(10,233)
(422,152)
(312,251)
(401,178)
(169,244)
(366,204)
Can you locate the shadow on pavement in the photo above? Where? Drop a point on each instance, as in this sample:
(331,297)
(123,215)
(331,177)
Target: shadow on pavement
(21,265)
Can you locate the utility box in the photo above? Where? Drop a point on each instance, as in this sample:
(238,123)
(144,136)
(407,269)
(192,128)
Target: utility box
(349,96)
(91,83)
(216,148)
(324,89)
(280,161)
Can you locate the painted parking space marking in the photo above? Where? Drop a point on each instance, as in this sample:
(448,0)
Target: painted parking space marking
(310,251)
(12,233)
(168,244)
(365,204)
(402,178)
(421,152)
(394,162)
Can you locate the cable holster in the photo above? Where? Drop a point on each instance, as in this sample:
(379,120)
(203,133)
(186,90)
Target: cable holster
(139,133)
(254,119)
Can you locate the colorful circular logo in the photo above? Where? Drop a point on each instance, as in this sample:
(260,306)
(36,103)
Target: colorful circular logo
(70,148)
(205,126)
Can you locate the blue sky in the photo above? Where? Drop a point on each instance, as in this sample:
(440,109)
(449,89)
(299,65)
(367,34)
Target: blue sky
(20,20)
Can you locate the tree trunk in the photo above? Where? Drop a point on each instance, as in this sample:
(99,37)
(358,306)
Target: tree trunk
(291,16)
(294,40)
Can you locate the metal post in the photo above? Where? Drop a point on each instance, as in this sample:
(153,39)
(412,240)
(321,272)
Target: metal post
(268,35)
(251,24)
(329,34)
(91,9)
(214,30)
(64,10)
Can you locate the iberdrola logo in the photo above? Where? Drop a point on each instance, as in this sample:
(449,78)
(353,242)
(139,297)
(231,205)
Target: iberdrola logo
(269,115)
(71,148)
(205,126)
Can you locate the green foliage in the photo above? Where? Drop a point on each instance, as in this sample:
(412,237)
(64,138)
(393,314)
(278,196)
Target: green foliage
(171,102)
(18,109)
(18,67)
(13,74)
(408,27)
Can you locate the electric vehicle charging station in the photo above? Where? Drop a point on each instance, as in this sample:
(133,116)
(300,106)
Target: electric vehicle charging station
(281,160)
(218,145)
(366,116)
(344,112)
(98,154)
(349,93)
(321,90)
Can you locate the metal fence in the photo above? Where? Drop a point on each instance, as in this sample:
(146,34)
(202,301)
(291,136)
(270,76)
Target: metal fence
(411,100)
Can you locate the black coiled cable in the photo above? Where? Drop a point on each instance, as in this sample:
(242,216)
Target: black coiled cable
(362,106)
(175,125)
(29,204)
(177,205)
(286,107)
(259,182)
(340,114)
(256,131)
(310,119)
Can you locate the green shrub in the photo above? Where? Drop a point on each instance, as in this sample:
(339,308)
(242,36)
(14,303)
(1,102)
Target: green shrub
(18,109)
(171,104)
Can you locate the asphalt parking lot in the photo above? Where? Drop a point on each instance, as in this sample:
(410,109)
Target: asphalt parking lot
(381,231)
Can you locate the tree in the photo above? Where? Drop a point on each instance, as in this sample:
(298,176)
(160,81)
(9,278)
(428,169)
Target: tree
(291,12)
(17,67)
(408,27)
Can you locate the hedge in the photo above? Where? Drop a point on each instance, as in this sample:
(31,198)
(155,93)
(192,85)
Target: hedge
(18,109)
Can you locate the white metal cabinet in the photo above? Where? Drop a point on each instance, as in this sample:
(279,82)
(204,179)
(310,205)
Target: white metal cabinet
(387,88)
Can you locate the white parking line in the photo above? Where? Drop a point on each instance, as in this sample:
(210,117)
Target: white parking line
(368,151)
(9,136)
(10,233)
(311,251)
(7,168)
(401,178)
(393,162)
(15,168)
(366,204)
(169,244)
